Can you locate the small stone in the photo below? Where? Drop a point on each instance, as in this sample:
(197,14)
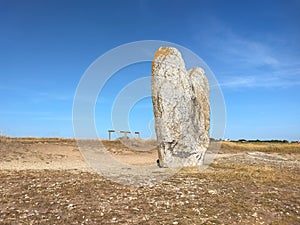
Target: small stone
(213,192)
(254,214)
(70,206)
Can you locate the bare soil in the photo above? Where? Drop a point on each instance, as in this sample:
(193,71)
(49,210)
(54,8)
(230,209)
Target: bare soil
(46,181)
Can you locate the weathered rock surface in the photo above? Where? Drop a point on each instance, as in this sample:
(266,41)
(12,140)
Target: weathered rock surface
(181,109)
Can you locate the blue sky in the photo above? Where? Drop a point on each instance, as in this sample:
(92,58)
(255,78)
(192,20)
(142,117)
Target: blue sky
(251,46)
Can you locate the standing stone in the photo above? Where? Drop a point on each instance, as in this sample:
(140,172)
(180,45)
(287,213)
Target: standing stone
(181,109)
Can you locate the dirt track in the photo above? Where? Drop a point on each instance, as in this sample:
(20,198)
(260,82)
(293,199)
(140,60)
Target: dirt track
(48,182)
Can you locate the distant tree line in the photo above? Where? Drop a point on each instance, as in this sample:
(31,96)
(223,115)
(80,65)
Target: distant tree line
(271,141)
(255,141)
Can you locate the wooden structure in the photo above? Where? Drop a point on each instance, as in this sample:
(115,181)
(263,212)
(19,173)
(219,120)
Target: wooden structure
(125,133)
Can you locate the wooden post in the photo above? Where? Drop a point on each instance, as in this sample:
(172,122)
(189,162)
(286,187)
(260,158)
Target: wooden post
(125,133)
(138,133)
(109,134)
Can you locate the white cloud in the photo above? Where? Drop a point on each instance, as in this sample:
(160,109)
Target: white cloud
(249,61)
(36,96)
(234,49)
(276,79)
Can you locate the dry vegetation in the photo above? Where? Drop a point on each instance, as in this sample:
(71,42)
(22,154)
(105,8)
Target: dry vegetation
(268,147)
(249,183)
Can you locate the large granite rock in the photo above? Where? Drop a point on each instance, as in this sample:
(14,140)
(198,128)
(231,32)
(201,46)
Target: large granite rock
(181,109)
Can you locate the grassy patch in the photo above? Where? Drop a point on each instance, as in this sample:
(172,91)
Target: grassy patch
(281,148)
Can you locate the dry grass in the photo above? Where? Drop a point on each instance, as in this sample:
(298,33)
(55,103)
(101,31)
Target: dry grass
(226,146)
(224,194)
(131,145)
(267,147)
(37,140)
(230,191)
(266,174)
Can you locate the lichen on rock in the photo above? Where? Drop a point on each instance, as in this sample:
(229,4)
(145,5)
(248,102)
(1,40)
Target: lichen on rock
(181,109)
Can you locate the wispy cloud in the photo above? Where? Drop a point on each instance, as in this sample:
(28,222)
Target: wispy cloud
(229,47)
(54,118)
(242,51)
(35,96)
(40,96)
(277,79)
(249,61)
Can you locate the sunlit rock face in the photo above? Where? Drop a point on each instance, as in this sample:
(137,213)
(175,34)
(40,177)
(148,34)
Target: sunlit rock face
(181,109)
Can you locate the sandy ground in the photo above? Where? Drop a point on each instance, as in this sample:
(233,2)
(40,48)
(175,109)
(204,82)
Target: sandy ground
(47,181)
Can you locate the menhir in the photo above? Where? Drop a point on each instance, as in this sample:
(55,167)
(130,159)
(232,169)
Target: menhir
(181,109)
